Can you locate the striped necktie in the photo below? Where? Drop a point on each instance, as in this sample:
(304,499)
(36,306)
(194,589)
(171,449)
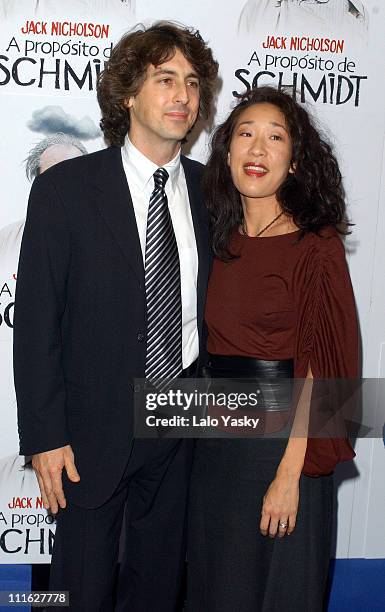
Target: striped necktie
(163,289)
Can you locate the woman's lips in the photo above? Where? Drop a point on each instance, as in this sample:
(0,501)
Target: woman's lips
(255,170)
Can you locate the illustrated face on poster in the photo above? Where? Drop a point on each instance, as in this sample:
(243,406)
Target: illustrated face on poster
(53,133)
(49,151)
(72,8)
(322,16)
(57,153)
(58,145)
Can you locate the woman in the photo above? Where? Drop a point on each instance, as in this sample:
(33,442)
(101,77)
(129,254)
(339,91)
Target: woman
(279,303)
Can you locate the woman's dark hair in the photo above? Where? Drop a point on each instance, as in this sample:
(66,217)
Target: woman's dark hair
(126,70)
(313,196)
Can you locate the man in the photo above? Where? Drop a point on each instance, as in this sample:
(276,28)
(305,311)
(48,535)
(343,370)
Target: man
(324,17)
(111,286)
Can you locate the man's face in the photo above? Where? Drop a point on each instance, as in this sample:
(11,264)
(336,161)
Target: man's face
(167,105)
(57,153)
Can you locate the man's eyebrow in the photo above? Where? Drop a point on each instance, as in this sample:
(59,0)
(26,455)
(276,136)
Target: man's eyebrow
(159,71)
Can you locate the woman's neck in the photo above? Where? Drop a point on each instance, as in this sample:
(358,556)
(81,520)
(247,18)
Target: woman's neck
(265,217)
(258,213)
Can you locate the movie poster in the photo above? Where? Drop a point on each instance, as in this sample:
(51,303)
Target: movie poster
(327,53)
(50,56)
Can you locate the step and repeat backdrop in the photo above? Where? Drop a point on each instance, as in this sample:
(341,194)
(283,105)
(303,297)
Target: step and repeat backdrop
(330,52)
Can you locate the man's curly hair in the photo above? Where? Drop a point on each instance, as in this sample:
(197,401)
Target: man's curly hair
(126,71)
(313,196)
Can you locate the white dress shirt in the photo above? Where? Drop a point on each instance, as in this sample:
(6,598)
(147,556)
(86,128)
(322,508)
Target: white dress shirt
(139,172)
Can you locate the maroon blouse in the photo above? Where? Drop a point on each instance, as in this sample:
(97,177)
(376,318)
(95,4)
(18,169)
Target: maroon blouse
(288,298)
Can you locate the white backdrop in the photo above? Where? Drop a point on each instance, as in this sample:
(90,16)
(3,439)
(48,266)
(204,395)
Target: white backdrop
(42,93)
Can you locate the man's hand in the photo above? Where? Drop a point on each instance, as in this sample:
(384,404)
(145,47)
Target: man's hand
(48,467)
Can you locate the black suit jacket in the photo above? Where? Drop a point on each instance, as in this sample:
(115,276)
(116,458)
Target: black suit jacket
(80,316)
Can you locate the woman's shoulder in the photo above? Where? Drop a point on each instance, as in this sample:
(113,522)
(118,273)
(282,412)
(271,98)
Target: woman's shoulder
(321,256)
(327,242)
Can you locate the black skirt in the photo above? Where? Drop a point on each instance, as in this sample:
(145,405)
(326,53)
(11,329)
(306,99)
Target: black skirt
(231,566)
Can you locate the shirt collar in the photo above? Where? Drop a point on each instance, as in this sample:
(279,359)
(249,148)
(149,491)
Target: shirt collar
(142,169)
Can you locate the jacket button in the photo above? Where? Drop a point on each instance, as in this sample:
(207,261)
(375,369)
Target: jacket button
(140,336)
(136,388)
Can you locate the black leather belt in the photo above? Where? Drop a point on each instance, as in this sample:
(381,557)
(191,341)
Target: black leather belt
(271,380)
(223,366)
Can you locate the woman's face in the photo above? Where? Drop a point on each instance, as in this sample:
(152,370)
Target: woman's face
(260,151)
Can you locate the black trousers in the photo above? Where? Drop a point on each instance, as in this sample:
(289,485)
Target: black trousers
(231,566)
(154,489)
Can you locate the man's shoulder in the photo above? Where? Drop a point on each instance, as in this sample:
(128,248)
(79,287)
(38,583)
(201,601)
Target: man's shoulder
(191,165)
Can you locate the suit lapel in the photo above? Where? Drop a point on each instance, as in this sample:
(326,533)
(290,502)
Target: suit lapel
(195,198)
(114,202)
(115,205)
(201,229)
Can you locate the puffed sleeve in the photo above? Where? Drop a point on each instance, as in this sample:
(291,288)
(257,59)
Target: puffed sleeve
(327,340)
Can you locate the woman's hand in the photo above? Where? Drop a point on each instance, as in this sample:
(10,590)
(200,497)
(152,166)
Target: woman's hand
(280,505)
